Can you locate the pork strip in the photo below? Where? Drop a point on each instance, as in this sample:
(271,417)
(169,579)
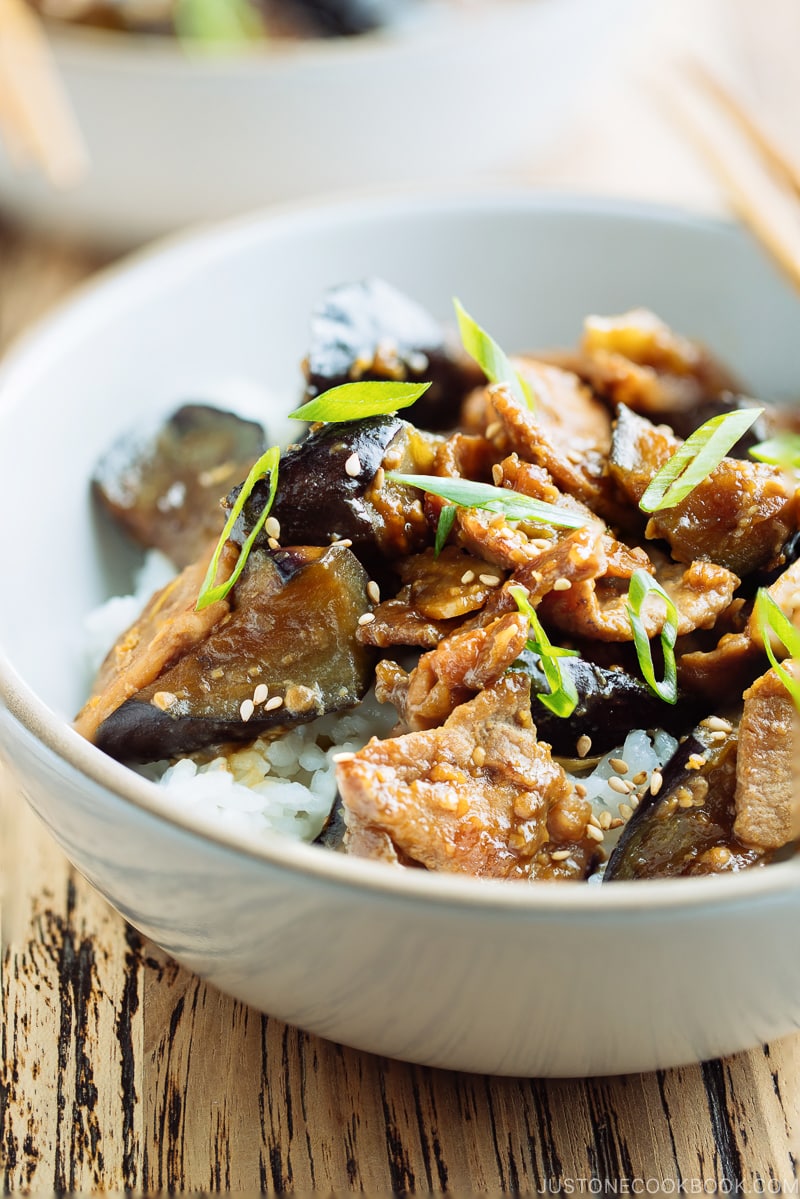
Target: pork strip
(767,795)
(479,796)
(740,516)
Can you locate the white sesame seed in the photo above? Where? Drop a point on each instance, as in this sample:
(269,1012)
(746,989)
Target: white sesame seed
(353,466)
(717,738)
(273,543)
(640,778)
(493,429)
(479,755)
(618,764)
(541,543)
(717,724)
(246,709)
(656,780)
(260,694)
(272,527)
(497,474)
(560,855)
(618,785)
(343,542)
(367,618)
(468,576)
(380,478)
(164,700)
(580,790)
(583,745)
(374,591)
(345,756)
(633,800)
(625,810)
(562,584)
(273,703)
(604,820)
(596,834)
(695,762)
(489,580)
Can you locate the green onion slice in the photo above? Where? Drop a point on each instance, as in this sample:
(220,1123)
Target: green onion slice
(699,455)
(211,22)
(490,357)
(447,518)
(354,401)
(781,450)
(563,697)
(267,465)
(512,504)
(770,618)
(641,585)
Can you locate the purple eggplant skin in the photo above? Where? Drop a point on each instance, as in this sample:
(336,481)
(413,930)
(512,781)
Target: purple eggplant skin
(346,18)
(684,423)
(611,702)
(664,839)
(369,330)
(164,485)
(292,628)
(319,500)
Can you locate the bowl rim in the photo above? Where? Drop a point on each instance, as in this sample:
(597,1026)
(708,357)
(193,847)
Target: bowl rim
(120,288)
(86,47)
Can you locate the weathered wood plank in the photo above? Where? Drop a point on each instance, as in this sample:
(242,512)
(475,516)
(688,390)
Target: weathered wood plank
(72,1022)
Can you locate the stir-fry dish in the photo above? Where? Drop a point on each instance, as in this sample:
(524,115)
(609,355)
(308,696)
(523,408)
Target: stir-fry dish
(233,20)
(568,586)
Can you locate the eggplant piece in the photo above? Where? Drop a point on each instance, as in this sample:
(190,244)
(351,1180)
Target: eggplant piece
(685,423)
(323,495)
(611,702)
(369,330)
(346,18)
(687,828)
(290,636)
(164,486)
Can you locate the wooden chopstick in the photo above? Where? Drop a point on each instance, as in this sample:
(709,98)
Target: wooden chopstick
(758,176)
(36,119)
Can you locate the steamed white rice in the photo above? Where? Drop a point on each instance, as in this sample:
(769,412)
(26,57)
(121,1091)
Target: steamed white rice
(285,783)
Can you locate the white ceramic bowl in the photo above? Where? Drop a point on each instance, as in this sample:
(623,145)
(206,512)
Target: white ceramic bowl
(175,139)
(498,977)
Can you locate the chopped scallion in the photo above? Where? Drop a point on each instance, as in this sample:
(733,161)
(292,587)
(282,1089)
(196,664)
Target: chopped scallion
(699,455)
(447,518)
(355,401)
(771,619)
(511,504)
(781,450)
(217,22)
(641,585)
(563,697)
(267,465)
(490,357)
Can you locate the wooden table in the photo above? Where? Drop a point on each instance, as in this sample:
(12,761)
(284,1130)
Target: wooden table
(120,1070)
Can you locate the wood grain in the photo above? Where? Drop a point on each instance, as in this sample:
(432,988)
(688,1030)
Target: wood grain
(121,1071)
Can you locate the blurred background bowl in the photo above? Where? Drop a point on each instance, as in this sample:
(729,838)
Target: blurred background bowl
(176,139)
